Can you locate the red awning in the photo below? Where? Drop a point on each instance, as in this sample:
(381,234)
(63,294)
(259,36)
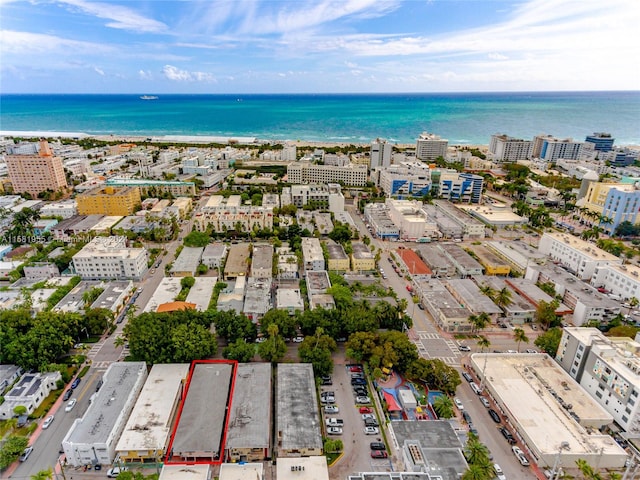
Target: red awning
(392,405)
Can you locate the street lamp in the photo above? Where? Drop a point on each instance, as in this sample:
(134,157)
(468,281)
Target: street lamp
(555,472)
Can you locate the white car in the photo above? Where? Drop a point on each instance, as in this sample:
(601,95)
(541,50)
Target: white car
(366,416)
(485,402)
(499,473)
(261,339)
(464,348)
(47,421)
(364,400)
(328,399)
(520,456)
(298,339)
(371,431)
(331,409)
(70,405)
(459,404)
(334,430)
(115,471)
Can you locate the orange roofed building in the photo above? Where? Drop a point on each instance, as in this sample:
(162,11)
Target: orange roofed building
(175,306)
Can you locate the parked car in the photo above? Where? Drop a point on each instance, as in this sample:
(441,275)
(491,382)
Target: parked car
(75,383)
(531,350)
(366,410)
(334,430)
(365,400)
(25,454)
(499,473)
(70,405)
(328,394)
(377,446)
(99,385)
(355,368)
(520,456)
(298,339)
(368,415)
(466,416)
(379,454)
(47,421)
(261,339)
(334,422)
(464,348)
(67,395)
(458,403)
(327,399)
(485,402)
(331,409)
(467,377)
(326,380)
(494,415)
(115,471)
(358,381)
(371,422)
(371,431)
(507,434)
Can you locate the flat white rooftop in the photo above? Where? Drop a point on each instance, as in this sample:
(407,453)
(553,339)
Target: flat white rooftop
(241,471)
(315,468)
(201,292)
(166,291)
(524,386)
(185,472)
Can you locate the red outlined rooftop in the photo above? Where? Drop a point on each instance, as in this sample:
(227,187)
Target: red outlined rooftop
(414,263)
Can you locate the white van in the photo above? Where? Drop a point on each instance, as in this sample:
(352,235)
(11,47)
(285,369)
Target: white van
(476,389)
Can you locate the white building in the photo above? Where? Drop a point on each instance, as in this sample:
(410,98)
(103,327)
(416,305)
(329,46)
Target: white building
(578,256)
(430,147)
(66,209)
(406,178)
(312,255)
(307,172)
(509,149)
(229,214)
(621,281)
(380,155)
(608,369)
(109,257)
(551,148)
(146,433)
(289,153)
(29,392)
(412,221)
(214,255)
(92,439)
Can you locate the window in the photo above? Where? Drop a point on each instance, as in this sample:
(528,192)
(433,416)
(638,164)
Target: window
(598,394)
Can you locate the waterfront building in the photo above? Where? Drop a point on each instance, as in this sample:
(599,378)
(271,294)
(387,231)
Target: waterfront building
(602,142)
(110,258)
(380,155)
(608,368)
(404,179)
(509,149)
(307,172)
(109,201)
(431,147)
(551,148)
(36,173)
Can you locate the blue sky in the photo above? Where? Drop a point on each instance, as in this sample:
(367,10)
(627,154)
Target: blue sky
(254,46)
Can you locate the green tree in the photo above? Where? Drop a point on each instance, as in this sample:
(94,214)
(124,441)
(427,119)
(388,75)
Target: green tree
(549,341)
(273,349)
(520,336)
(475,451)
(503,297)
(240,350)
(12,449)
(197,239)
(317,351)
(587,471)
(287,324)
(187,282)
(546,313)
(444,407)
(43,475)
(192,341)
(623,331)
(435,373)
(232,326)
(19,410)
(341,233)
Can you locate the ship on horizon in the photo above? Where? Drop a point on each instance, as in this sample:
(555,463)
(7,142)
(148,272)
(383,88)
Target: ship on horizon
(148,97)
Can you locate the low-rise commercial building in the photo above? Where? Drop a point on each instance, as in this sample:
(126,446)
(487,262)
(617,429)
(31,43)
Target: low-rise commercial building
(337,258)
(520,310)
(187,262)
(237,261)
(241,471)
(262,261)
(248,437)
(492,263)
(438,263)
(29,392)
(92,439)
(114,296)
(467,292)
(297,420)
(312,255)
(555,418)
(412,221)
(471,227)
(146,433)
(289,300)
(443,307)
(362,258)
(608,369)
(186,472)
(302,468)
(465,264)
(377,217)
(109,257)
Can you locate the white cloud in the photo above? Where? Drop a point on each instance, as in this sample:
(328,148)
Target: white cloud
(175,74)
(497,56)
(30,43)
(99,71)
(145,75)
(120,17)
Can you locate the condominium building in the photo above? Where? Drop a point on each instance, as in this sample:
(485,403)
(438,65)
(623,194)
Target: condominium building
(109,201)
(579,256)
(155,187)
(362,258)
(36,173)
(337,258)
(618,202)
(430,146)
(608,369)
(312,255)
(109,257)
(307,172)
(412,221)
(222,215)
(602,142)
(621,281)
(92,439)
(551,148)
(66,209)
(509,149)
(404,179)
(457,187)
(380,155)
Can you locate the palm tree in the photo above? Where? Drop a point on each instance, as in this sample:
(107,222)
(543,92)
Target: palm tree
(476,472)
(483,342)
(519,336)
(119,342)
(43,475)
(503,297)
(443,407)
(475,451)
(633,303)
(488,291)
(588,472)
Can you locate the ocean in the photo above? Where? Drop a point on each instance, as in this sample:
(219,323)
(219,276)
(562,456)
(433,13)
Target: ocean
(462,118)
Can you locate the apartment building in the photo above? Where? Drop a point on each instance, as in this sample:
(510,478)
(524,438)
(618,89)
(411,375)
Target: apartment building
(602,142)
(337,258)
(30,391)
(509,149)
(430,146)
(312,255)
(307,172)
(109,201)
(66,209)
(579,256)
(608,369)
(36,173)
(551,148)
(110,258)
(404,179)
(621,281)
(222,215)
(262,261)
(380,154)
(619,202)
(155,187)
(362,258)
(457,187)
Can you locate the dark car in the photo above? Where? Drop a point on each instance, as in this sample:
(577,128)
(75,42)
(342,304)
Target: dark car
(377,446)
(494,415)
(67,395)
(99,385)
(326,380)
(75,383)
(370,422)
(507,434)
(467,377)
(379,454)
(358,381)
(466,416)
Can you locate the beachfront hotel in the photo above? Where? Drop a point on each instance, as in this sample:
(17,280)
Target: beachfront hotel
(509,149)
(430,146)
(36,173)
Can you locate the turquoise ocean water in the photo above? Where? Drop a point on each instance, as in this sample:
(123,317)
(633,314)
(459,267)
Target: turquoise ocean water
(462,118)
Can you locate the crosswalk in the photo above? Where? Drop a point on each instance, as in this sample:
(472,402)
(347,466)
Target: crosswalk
(442,348)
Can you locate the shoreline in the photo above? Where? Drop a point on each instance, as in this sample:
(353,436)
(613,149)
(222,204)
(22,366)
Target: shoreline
(206,139)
